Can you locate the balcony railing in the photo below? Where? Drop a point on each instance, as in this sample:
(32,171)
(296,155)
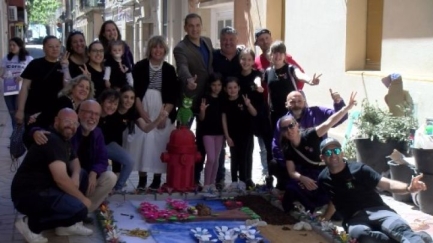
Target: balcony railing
(90,4)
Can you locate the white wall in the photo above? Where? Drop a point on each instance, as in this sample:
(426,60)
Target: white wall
(408,37)
(315,35)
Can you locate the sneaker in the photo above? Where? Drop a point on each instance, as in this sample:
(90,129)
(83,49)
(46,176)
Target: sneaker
(213,188)
(76,229)
(424,236)
(220,185)
(30,237)
(207,191)
(232,187)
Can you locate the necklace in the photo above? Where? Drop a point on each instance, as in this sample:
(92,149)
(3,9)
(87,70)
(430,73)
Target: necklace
(156,67)
(73,102)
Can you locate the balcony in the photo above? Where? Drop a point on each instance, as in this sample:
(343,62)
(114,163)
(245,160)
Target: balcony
(87,5)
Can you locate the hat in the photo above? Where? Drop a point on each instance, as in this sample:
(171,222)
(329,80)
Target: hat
(259,32)
(328,141)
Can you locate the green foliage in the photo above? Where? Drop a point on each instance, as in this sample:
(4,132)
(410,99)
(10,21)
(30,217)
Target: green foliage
(41,11)
(377,123)
(349,150)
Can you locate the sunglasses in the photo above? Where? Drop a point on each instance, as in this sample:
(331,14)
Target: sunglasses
(290,126)
(329,152)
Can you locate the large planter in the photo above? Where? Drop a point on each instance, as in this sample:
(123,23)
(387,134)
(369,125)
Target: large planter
(373,153)
(424,160)
(401,173)
(425,198)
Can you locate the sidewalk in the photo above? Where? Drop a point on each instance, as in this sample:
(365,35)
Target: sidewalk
(8,215)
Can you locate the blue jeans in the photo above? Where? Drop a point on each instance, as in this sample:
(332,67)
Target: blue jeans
(53,207)
(380,224)
(119,154)
(12,105)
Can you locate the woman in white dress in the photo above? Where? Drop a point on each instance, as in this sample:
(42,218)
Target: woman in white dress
(156,86)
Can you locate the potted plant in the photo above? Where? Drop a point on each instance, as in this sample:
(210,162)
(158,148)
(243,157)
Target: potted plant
(379,133)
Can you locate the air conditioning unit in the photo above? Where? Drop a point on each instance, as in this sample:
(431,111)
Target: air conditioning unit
(12,13)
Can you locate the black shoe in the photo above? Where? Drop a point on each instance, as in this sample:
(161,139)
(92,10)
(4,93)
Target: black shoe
(156,183)
(269,181)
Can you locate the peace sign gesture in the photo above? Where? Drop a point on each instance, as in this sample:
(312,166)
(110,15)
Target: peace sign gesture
(203,105)
(247,101)
(416,184)
(352,101)
(64,61)
(85,71)
(315,80)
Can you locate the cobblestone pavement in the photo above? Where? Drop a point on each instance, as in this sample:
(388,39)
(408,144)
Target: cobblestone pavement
(8,215)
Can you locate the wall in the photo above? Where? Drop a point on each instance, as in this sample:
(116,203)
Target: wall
(356,34)
(319,45)
(408,37)
(275,18)
(3,29)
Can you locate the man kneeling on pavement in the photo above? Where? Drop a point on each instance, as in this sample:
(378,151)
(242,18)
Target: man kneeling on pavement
(51,189)
(352,190)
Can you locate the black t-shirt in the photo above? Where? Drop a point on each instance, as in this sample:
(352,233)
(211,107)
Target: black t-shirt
(248,87)
(309,147)
(352,189)
(34,174)
(74,69)
(212,123)
(225,66)
(117,77)
(280,84)
(239,120)
(84,153)
(46,118)
(97,79)
(113,126)
(47,81)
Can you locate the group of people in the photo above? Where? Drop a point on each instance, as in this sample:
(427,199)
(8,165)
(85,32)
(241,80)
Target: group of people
(94,104)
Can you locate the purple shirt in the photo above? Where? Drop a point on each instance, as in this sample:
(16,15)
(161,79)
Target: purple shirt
(311,117)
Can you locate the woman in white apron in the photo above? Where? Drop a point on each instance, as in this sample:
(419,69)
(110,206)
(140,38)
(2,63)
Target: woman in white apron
(156,86)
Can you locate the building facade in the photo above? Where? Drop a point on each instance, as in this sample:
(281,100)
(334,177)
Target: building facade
(88,16)
(3,29)
(16,18)
(355,43)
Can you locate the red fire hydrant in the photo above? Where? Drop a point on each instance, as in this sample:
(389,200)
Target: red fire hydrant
(180,157)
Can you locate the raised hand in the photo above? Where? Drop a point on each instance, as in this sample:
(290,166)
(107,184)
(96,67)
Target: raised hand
(64,61)
(315,80)
(416,184)
(123,68)
(203,105)
(192,83)
(85,71)
(352,100)
(246,100)
(336,97)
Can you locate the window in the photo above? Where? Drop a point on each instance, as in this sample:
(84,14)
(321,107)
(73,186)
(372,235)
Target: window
(222,18)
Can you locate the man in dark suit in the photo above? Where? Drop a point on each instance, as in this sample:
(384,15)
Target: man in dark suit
(194,55)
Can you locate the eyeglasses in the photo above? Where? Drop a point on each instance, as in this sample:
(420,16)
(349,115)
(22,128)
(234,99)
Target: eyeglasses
(89,112)
(329,152)
(290,126)
(97,51)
